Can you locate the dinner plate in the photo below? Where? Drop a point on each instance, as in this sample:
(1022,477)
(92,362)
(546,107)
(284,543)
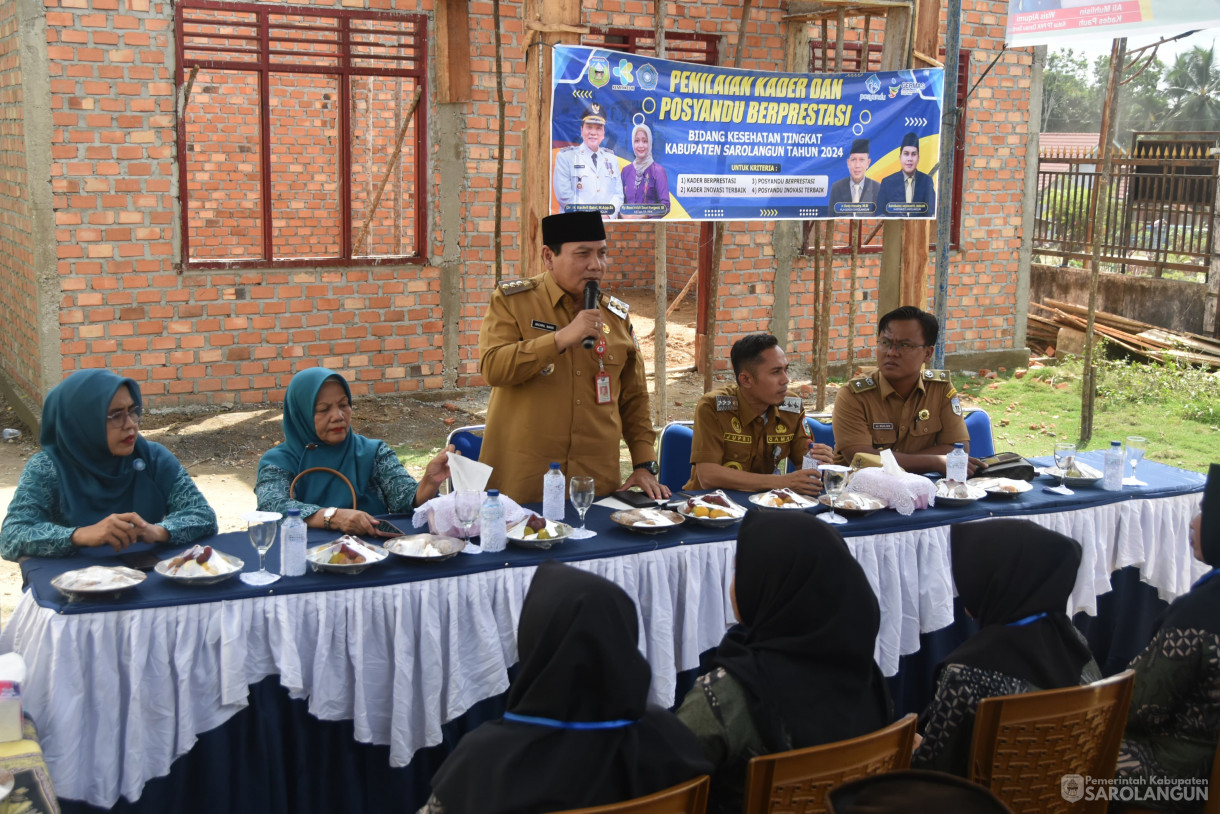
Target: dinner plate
(425,547)
(647,521)
(854,504)
(801,503)
(317,559)
(562,532)
(163,566)
(976,493)
(1001,487)
(97,582)
(713,522)
(1085,479)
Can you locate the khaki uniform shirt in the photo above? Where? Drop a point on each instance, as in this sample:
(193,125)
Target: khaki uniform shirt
(543,405)
(726,435)
(869,413)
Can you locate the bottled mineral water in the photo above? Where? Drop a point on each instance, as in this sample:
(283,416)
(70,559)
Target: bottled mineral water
(1112,473)
(956,464)
(552,494)
(809,462)
(293,534)
(492,533)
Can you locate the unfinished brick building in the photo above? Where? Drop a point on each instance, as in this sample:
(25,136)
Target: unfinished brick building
(188,189)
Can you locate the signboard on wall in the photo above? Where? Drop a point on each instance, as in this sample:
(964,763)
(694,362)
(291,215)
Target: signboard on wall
(642,138)
(1042,22)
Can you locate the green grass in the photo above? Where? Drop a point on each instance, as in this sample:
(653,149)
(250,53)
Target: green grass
(1176,408)
(415,455)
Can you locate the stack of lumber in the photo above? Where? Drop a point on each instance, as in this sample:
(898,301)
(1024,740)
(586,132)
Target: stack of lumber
(1132,335)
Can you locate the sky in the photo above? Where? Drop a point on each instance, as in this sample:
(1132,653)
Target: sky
(1093,48)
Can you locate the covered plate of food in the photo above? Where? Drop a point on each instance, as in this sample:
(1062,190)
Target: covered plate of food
(1001,487)
(854,504)
(783,499)
(537,532)
(425,547)
(347,555)
(1078,474)
(647,521)
(950,493)
(199,565)
(97,581)
(715,509)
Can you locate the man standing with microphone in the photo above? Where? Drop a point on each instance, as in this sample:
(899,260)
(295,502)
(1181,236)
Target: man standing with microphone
(567,382)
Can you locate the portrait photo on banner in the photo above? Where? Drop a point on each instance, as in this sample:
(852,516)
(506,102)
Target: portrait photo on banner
(634,137)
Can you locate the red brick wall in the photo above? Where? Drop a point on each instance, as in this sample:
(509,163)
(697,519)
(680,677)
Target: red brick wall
(18,293)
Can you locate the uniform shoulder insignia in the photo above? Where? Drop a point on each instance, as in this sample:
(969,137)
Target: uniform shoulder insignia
(863,383)
(618,307)
(936,375)
(726,404)
(516,286)
(792,404)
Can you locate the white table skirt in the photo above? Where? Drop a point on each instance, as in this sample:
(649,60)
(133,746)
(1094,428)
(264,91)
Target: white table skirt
(117,696)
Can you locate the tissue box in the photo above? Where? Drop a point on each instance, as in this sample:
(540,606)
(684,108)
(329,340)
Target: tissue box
(10,711)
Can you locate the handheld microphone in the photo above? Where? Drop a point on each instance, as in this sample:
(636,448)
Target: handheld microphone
(592,291)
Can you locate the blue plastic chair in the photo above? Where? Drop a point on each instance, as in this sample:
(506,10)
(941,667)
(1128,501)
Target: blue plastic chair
(673,454)
(467,440)
(822,432)
(978,424)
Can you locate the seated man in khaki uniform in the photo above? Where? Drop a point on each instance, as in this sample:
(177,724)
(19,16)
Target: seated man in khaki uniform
(900,406)
(745,433)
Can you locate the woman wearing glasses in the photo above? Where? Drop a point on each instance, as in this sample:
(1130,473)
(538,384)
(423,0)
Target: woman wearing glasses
(97,481)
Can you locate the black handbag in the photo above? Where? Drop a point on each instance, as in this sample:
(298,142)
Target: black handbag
(1006,465)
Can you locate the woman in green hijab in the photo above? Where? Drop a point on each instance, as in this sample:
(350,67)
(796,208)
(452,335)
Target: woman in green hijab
(97,481)
(318,432)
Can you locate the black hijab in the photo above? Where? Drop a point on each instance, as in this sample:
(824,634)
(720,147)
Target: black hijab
(1015,578)
(578,641)
(1200,608)
(809,622)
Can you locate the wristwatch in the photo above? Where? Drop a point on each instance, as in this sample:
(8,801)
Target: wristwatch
(328,516)
(651,466)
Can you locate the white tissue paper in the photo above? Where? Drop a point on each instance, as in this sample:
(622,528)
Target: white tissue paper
(901,491)
(12,674)
(467,474)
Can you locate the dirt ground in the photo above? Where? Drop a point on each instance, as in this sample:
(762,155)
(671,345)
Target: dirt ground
(221,448)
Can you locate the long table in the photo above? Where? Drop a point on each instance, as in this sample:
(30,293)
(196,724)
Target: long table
(120,689)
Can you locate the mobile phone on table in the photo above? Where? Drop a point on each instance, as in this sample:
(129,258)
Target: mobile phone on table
(386,527)
(636,497)
(140,560)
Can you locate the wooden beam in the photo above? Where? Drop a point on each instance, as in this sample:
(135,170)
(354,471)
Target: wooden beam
(895,55)
(452,52)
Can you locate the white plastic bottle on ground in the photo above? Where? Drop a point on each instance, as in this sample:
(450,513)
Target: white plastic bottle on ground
(493,535)
(956,464)
(552,494)
(1112,473)
(293,535)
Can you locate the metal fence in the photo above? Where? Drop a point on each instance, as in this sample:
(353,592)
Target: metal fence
(1157,216)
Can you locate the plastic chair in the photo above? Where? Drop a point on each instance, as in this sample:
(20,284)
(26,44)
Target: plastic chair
(1024,744)
(978,424)
(673,454)
(820,429)
(685,798)
(797,782)
(467,440)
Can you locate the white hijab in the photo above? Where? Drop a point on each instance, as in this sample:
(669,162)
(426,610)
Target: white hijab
(641,164)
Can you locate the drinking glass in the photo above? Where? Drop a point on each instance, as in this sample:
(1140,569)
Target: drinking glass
(466,503)
(262,527)
(834,479)
(1136,444)
(1065,456)
(580,489)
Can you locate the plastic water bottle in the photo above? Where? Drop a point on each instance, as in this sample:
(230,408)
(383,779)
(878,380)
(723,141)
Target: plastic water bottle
(1112,474)
(10,435)
(492,533)
(956,464)
(809,462)
(552,494)
(293,534)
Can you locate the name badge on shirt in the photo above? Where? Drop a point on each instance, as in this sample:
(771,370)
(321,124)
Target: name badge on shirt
(602,379)
(543,326)
(883,426)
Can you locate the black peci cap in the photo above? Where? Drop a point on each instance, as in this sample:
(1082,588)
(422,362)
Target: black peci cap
(572,227)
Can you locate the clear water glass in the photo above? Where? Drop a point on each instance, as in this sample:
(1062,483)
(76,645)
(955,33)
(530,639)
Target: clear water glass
(262,529)
(466,505)
(580,490)
(1136,444)
(834,480)
(1065,456)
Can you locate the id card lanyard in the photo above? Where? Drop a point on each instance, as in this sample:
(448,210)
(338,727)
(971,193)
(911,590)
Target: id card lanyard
(602,379)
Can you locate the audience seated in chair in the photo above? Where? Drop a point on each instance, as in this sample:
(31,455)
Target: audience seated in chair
(1014,577)
(914,792)
(1174,721)
(579,731)
(798,671)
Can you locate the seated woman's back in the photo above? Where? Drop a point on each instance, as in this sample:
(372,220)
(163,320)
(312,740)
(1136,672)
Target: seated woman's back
(578,731)
(799,670)
(1015,578)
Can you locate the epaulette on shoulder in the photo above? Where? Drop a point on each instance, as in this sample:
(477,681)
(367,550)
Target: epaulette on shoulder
(616,306)
(936,375)
(516,286)
(861,384)
(726,404)
(791,404)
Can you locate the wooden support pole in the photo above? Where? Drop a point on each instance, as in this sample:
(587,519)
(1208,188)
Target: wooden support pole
(385,178)
(660,399)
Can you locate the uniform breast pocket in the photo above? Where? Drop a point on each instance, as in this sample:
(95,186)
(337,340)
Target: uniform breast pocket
(884,435)
(738,452)
(926,426)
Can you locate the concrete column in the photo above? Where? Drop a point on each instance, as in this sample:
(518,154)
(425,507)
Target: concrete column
(449,125)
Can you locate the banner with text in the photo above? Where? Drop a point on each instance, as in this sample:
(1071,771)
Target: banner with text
(636,137)
(1042,22)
